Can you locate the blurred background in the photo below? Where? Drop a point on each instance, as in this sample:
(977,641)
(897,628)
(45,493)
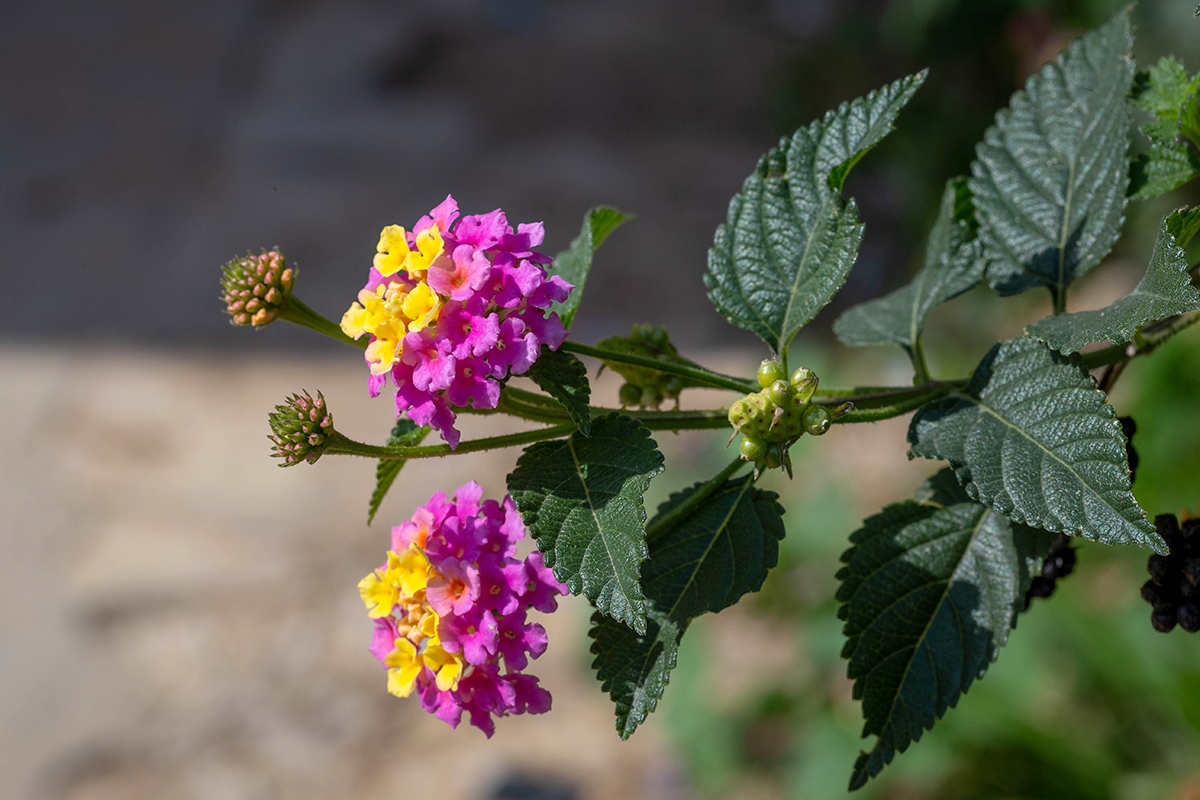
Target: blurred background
(181,618)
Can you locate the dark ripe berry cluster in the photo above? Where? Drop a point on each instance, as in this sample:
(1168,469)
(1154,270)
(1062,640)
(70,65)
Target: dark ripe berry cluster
(1172,588)
(1059,563)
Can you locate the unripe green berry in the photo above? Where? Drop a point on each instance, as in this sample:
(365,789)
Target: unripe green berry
(802,375)
(780,392)
(630,394)
(673,387)
(770,371)
(816,420)
(658,336)
(772,460)
(753,449)
(651,397)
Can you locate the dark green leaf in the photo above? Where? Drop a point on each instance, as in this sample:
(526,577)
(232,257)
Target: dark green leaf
(574,263)
(790,238)
(703,561)
(1167,92)
(581,499)
(405,433)
(1049,181)
(564,377)
(1166,289)
(930,590)
(953,264)
(1033,436)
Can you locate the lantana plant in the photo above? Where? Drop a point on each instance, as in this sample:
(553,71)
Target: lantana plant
(931,586)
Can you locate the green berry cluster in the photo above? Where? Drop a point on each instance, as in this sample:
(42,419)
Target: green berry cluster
(773,419)
(644,386)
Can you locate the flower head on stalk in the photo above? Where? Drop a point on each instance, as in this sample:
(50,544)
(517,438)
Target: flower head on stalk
(452,308)
(255,288)
(450,608)
(300,429)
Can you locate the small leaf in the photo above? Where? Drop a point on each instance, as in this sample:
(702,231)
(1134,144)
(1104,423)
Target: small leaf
(1167,92)
(930,591)
(790,238)
(703,562)
(1165,289)
(574,263)
(564,377)
(406,433)
(581,499)
(953,264)
(1049,181)
(1033,436)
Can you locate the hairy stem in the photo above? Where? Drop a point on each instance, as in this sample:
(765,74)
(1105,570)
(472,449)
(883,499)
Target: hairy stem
(339,444)
(1153,337)
(694,371)
(296,311)
(663,523)
(920,367)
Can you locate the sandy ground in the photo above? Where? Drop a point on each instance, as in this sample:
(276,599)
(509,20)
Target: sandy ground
(182,615)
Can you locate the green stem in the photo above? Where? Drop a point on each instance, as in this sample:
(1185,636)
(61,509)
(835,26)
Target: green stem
(338,444)
(296,311)
(1060,301)
(1153,337)
(663,523)
(695,372)
(920,367)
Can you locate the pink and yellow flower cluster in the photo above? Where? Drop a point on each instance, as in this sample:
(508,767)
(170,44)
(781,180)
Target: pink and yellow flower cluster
(453,307)
(450,607)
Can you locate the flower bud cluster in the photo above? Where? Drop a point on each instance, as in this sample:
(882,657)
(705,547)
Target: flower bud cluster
(644,386)
(454,307)
(1174,586)
(450,609)
(771,420)
(301,428)
(256,287)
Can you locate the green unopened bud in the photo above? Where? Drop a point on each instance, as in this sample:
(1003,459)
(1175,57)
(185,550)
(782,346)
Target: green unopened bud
(753,449)
(630,394)
(770,371)
(658,337)
(780,393)
(817,420)
(255,288)
(301,428)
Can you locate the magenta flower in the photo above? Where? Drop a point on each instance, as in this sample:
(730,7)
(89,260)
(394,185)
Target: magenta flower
(457,289)
(460,601)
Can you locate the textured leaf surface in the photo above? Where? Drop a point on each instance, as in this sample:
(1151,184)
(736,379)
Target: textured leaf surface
(790,238)
(581,499)
(1050,176)
(703,562)
(1033,436)
(574,263)
(406,433)
(953,264)
(1165,91)
(1166,289)
(564,377)
(930,591)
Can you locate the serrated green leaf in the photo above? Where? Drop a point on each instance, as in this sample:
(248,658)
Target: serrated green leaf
(564,377)
(930,591)
(1165,289)
(581,499)
(790,238)
(404,433)
(1163,88)
(1167,92)
(1050,176)
(953,264)
(1033,436)
(574,263)
(703,562)
(1184,224)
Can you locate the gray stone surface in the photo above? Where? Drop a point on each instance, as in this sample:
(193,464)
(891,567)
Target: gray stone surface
(143,144)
